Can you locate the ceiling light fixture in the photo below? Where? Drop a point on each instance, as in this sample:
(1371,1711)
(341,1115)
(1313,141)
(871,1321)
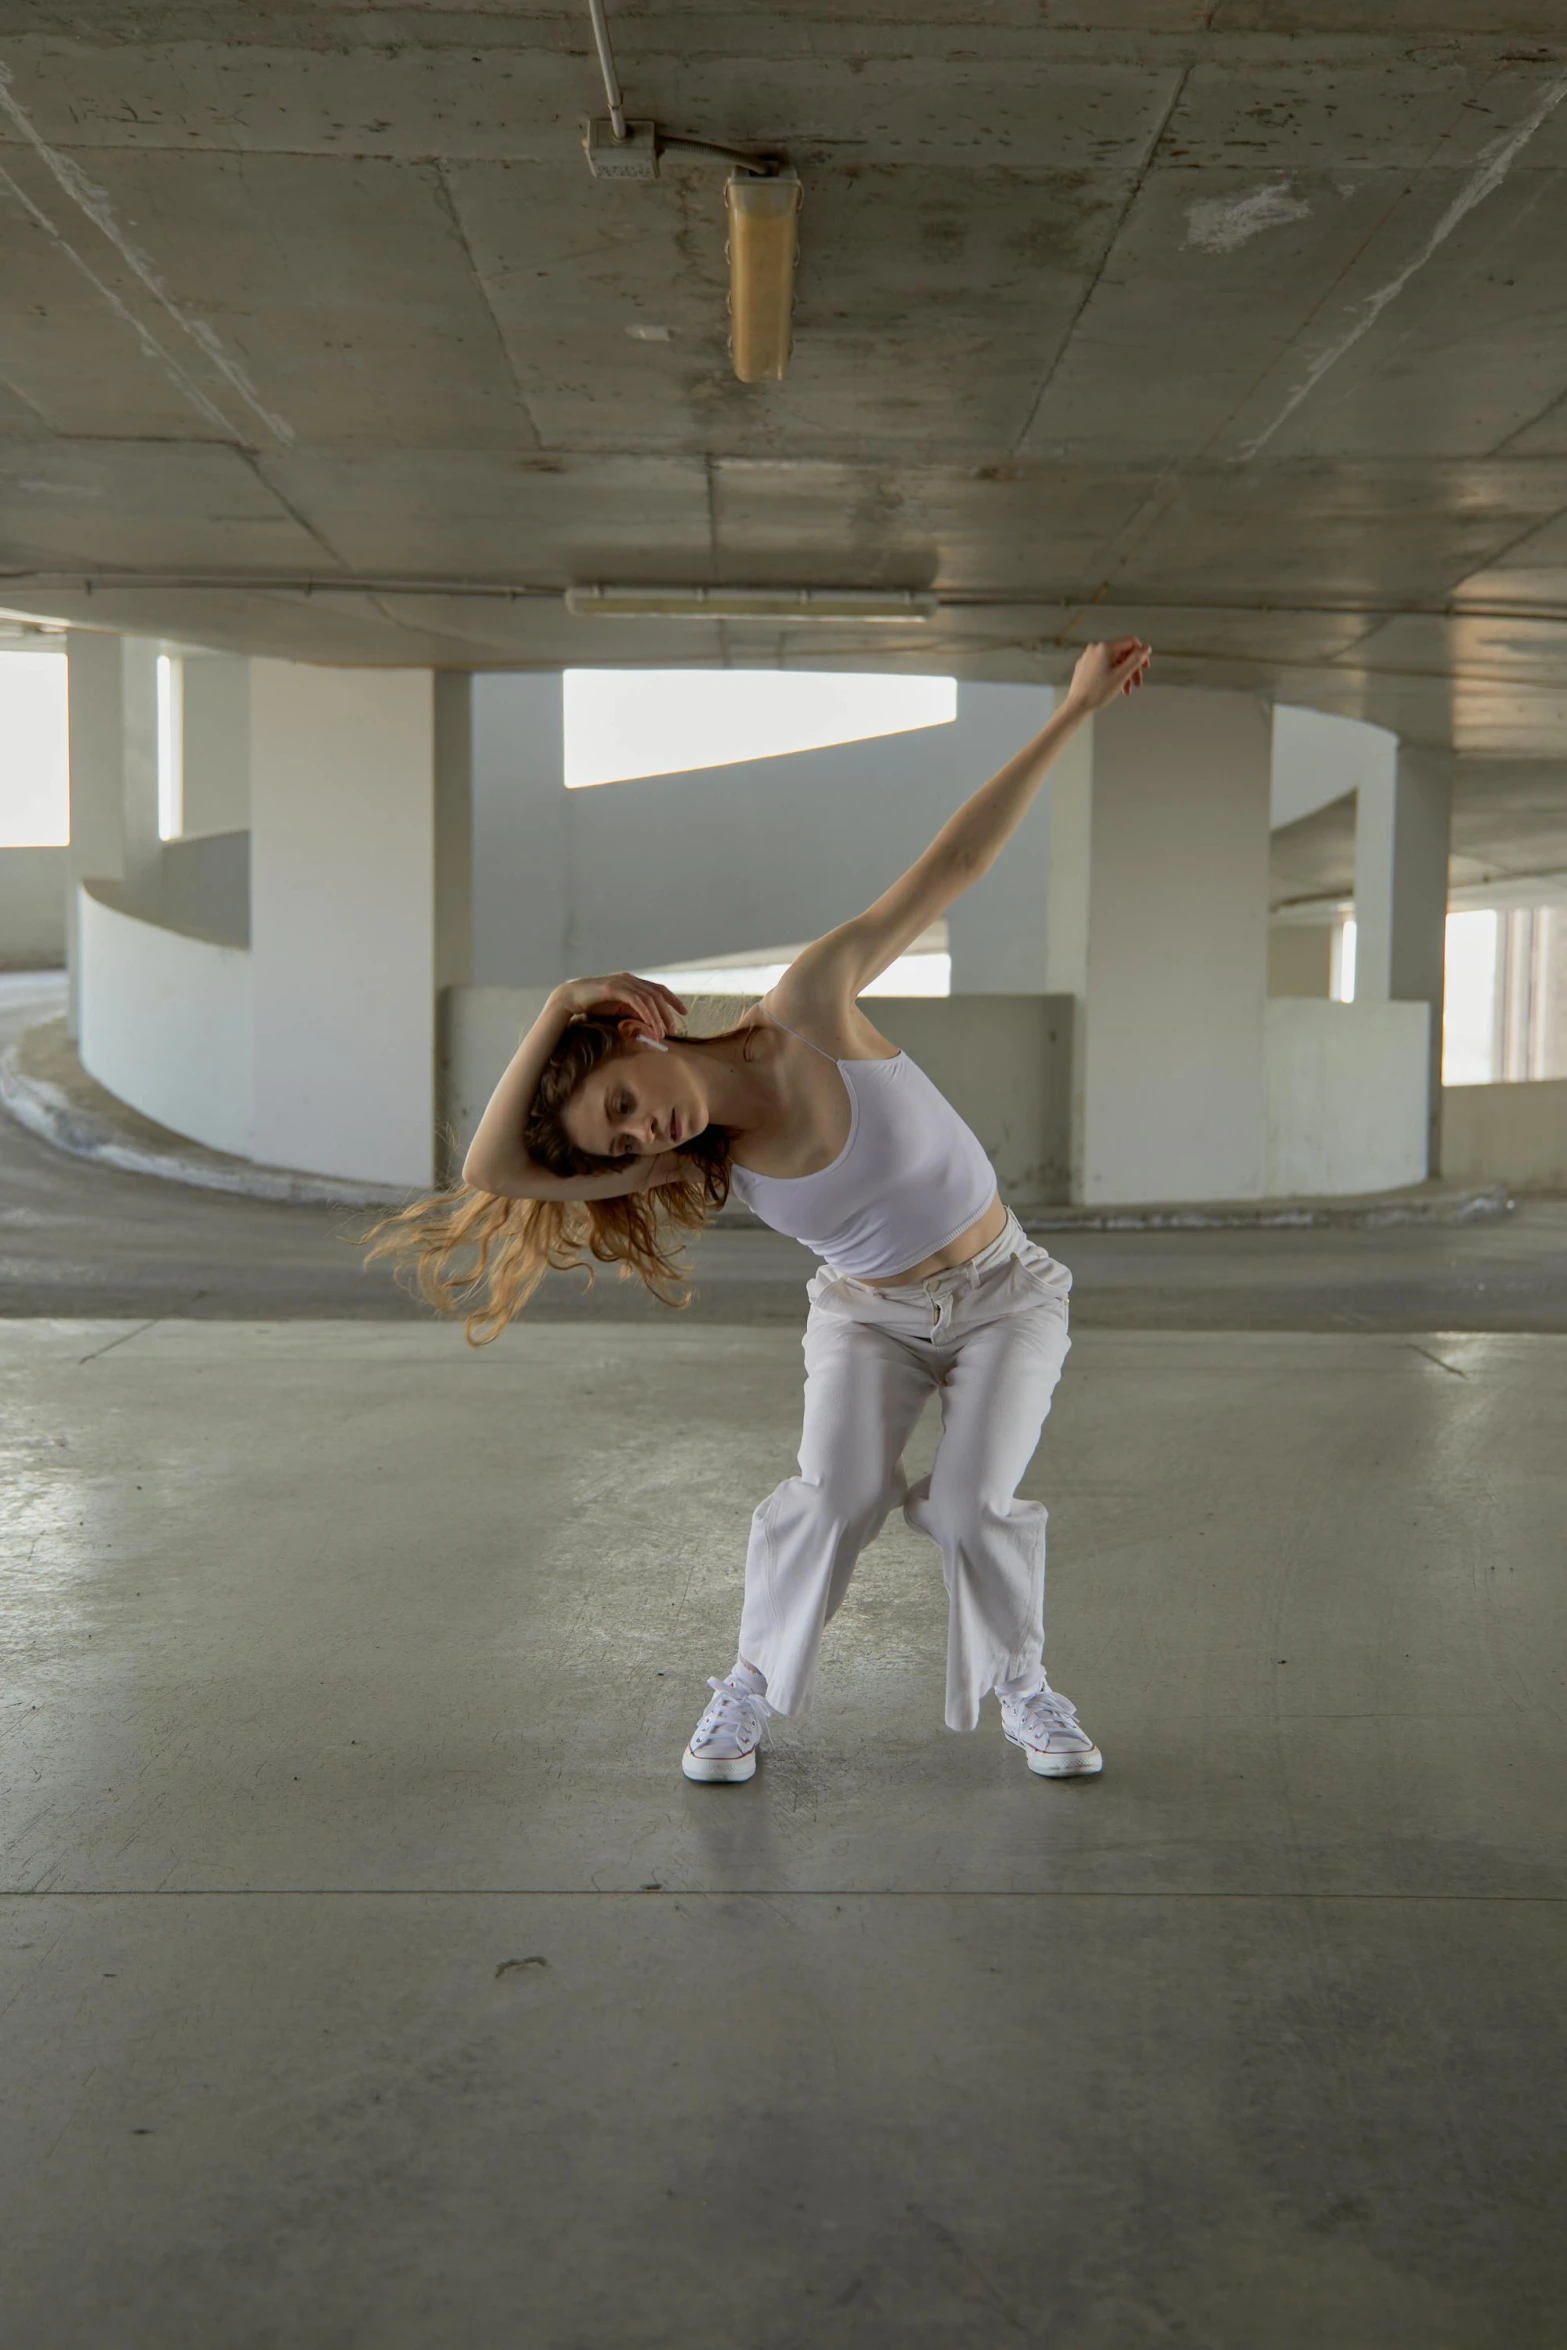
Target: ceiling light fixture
(762,198)
(877,605)
(763,252)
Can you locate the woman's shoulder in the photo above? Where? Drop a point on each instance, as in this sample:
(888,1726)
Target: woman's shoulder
(812,1002)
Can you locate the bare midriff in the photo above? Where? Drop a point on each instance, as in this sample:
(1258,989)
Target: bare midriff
(989,1227)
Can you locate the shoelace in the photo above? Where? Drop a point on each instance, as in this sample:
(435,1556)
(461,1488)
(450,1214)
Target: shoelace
(733,1710)
(1047,1710)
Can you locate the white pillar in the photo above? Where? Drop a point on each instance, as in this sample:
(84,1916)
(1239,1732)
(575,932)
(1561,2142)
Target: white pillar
(522,883)
(113,698)
(343,920)
(1402,827)
(996,930)
(1157,923)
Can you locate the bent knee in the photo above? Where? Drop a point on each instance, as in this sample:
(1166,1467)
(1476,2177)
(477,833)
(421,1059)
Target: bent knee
(968,1522)
(838,1501)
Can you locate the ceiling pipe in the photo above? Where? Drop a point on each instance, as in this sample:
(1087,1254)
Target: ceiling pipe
(617,111)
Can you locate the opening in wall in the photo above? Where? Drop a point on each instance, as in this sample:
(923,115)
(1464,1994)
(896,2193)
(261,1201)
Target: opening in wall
(35,762)
(1505,1019)
(1469,999)
(171,746)
(621,724)
(925,969)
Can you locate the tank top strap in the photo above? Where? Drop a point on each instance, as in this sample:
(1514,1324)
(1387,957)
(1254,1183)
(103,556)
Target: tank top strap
(771,1015)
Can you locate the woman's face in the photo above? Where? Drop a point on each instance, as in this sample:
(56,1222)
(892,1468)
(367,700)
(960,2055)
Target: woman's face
(636,1104)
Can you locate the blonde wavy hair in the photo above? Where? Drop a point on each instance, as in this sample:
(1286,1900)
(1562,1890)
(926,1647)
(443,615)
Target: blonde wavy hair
(482,1255)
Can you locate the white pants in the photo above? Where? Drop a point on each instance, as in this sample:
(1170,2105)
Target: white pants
(990,1337)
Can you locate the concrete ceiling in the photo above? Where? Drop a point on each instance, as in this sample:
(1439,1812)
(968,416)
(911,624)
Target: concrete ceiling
(1241,325)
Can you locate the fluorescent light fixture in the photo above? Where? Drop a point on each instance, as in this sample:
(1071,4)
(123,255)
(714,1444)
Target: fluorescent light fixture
(763,248)
(751,603)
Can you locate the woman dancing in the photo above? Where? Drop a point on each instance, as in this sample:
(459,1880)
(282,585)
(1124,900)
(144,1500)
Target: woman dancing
(611,1132)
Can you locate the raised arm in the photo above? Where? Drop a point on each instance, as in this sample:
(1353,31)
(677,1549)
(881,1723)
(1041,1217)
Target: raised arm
(849,958)
(497,1159)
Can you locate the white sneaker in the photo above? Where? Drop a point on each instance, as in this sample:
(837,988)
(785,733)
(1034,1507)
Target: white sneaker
(724,1742)
(1046,1726)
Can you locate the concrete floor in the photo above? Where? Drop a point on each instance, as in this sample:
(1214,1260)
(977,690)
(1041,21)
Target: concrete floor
(374,1979)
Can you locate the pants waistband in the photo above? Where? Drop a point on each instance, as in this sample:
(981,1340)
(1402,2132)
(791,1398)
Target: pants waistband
(955,1277)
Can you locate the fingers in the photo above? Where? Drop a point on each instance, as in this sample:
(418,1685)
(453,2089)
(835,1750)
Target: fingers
(1111,666)
(638,1004)
(642,1020)
(1131,658)
(655,1001)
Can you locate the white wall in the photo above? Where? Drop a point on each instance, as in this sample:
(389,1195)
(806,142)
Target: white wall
(216,740)
(32,905)
(522,842)
(1514,1133)
(1001,1060)
(166,1023)
(1318,758)
(343,920)
(1300,958)
(1346,1096)
(206,886)
(731,860)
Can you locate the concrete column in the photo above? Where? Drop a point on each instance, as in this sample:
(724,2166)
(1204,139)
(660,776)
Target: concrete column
(343,920)
(217,743)
(1157,924)
(996,930)
(113,697)
(1402,828)
(523,893)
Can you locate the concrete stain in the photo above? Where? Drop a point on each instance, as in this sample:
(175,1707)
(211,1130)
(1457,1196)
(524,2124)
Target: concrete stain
(1222,224)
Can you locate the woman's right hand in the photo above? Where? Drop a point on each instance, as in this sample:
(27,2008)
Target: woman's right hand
(637,1003)
(1107,669)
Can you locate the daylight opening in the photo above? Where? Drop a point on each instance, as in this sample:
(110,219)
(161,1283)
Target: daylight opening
(623,723)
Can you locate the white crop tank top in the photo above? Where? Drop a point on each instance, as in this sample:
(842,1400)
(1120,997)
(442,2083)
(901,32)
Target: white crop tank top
(910,1178)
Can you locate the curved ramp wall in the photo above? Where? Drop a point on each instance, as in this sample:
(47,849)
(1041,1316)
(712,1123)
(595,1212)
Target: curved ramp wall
(1346,1096)
(166,1023)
